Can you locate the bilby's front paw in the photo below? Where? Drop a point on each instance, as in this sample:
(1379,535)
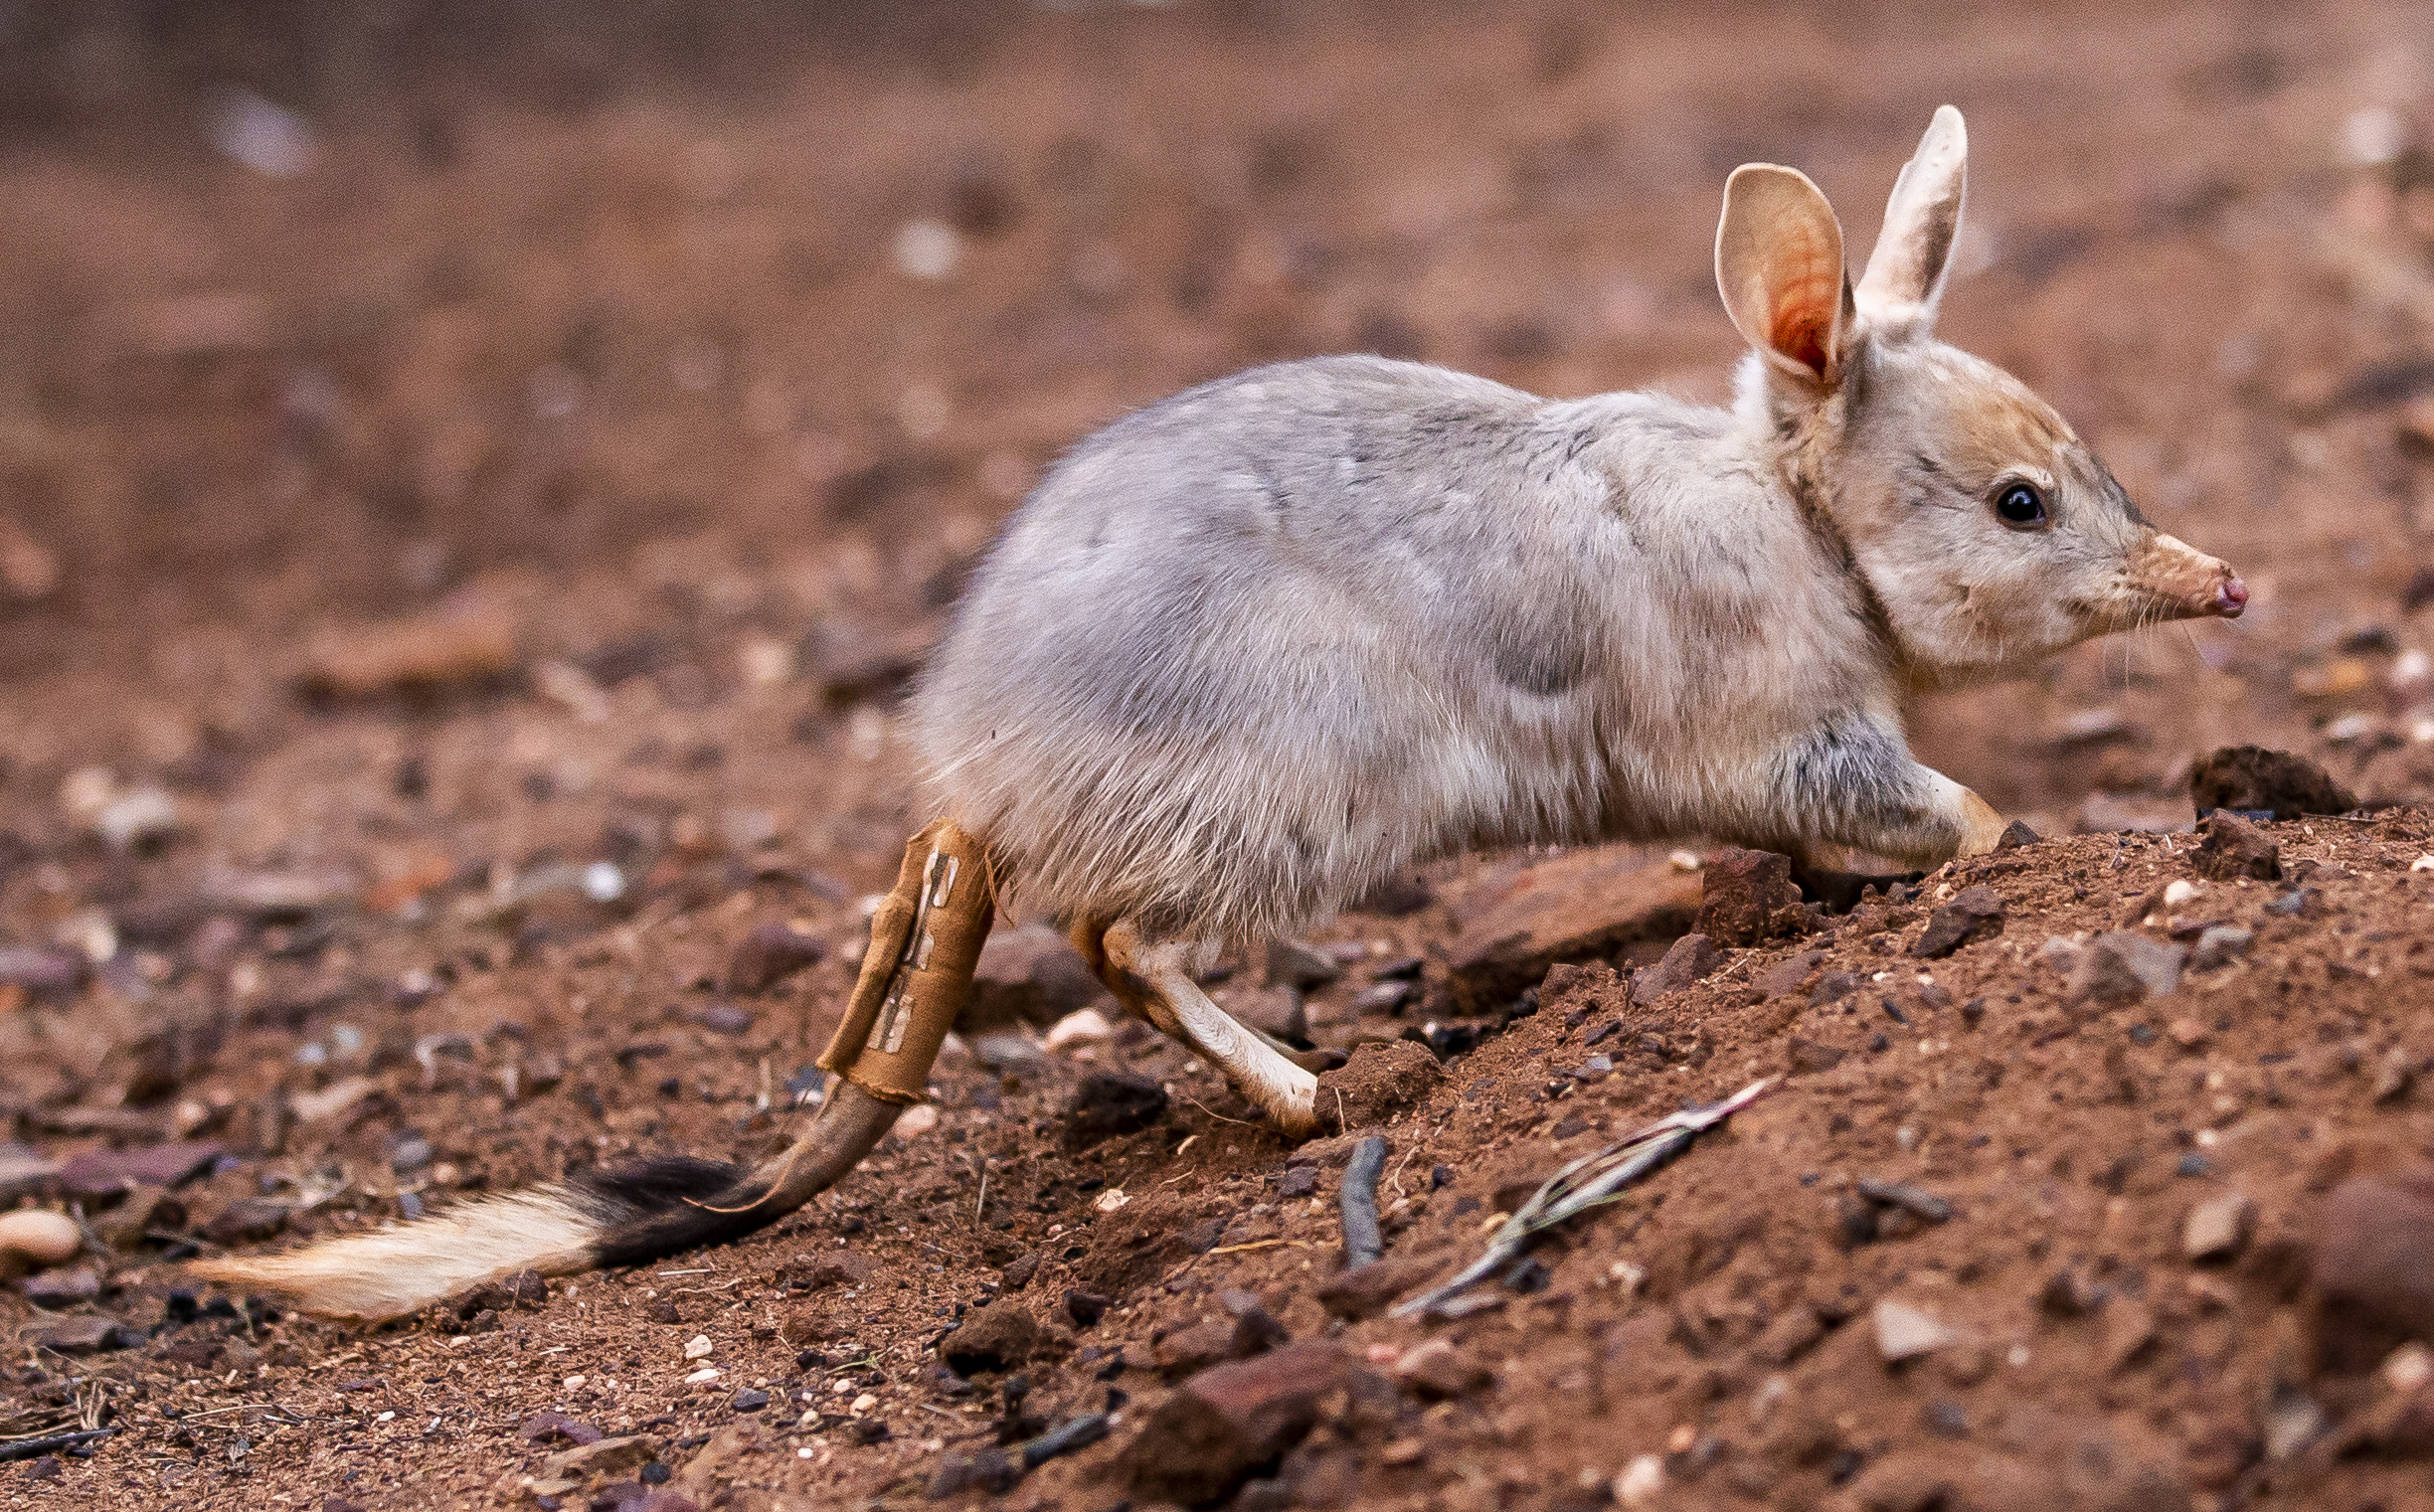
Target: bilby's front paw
(1981,826)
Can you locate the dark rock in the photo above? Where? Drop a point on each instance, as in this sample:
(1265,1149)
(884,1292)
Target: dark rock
(1367,1290)
(1529,1273)
(2399,1426)
(2017,834)
(1065,1437)
(1276,1012)
(854,662)
(1437,1371)
(62,1288)
(1291,963)
(1856,1224)
(723,1018)
(771,953)
(248,1219)
(409,1151)
(40,969)
(1256,1329)
(2218,945)
(1745,895)
(1790,973)
(1397,897)
(525,1288)
(1973,914)
(993,1338)
(2120,968)
(1085,1308)
(1298,1181)
(2374,1284)
(1209,1435)
(750,1400)
(828,1267)
(106,1173)
(1917,1201)
(1583,905)
(979,200)
(1109,1103)
(23,1172)
(92,1333)
(1383,997)
(1378,1081)
(2253,778)
(1789,1336)
(1020,1271)
(987,1469)
(2292,904)
(556,1427)
(1687,960)
(1030,975)
(2234,848)
(1188,1351)
(2068,1295)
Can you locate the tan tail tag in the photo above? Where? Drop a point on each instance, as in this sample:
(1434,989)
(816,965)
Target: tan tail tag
(926,940)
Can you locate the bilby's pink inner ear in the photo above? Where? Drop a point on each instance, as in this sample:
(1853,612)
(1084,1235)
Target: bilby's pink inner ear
(1779,267)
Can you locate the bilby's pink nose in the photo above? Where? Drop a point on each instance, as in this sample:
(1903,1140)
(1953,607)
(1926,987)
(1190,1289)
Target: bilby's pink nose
(2231,596)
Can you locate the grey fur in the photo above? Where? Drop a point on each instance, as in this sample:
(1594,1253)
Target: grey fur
(1257,649)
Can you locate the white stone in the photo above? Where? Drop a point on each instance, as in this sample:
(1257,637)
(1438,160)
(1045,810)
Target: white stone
(1084,1026)
(1640,1481)
(927,248)
(2408,1368)
(1904,1332)
(2216,1226)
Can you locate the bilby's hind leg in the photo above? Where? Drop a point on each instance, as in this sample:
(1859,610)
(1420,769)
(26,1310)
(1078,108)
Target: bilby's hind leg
(1154,980)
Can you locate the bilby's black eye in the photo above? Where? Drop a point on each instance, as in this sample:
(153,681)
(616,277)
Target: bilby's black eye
(2020,506)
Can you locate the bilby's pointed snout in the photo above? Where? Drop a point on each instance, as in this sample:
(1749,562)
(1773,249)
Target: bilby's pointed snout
(2184,581)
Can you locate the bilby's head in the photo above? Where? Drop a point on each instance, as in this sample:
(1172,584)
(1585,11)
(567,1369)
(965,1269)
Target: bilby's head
(1985,531)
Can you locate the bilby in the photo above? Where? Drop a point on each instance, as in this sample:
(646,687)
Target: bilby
(1253,650)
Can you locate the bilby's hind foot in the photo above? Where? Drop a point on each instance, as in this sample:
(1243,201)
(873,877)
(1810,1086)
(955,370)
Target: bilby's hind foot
(1154,981)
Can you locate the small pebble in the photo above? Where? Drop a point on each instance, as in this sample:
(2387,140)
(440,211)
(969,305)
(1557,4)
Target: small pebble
(2217,1227)
(44,1237)
(1903,1331)
(1640,1481)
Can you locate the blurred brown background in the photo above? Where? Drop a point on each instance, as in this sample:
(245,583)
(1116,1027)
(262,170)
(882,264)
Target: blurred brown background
(704,348)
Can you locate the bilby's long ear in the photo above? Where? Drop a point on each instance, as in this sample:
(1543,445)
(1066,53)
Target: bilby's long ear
(1905,274)
(1778,266)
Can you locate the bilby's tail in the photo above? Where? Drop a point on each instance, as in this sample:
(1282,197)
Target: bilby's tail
(925,943)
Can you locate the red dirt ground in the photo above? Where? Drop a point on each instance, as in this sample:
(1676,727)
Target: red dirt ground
(593,329)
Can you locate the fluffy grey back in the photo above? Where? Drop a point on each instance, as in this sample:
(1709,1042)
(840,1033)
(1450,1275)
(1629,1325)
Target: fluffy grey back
(1249,651)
